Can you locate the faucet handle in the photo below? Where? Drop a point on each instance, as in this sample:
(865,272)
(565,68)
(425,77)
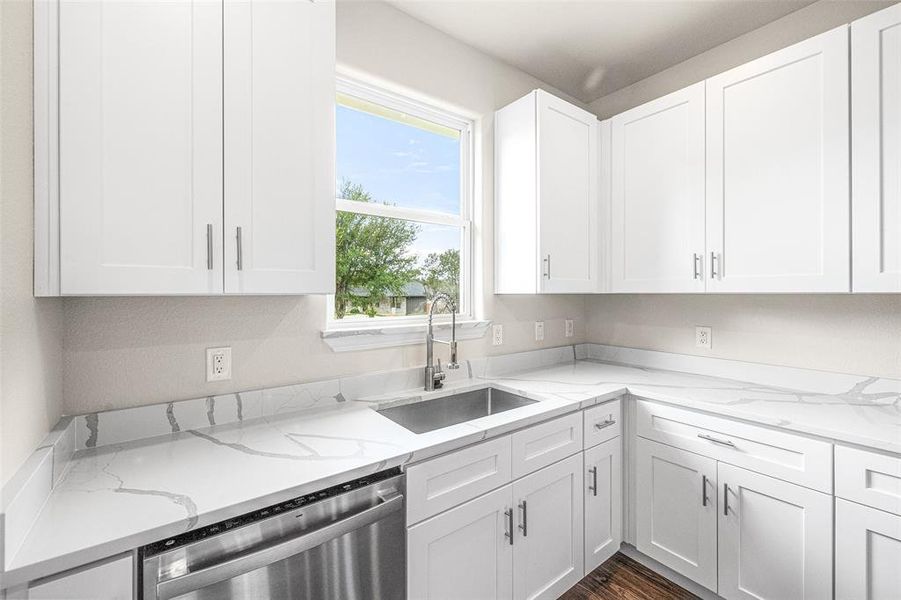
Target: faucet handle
(438,368)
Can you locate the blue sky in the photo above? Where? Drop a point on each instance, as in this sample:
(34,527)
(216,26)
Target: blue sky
(402,165)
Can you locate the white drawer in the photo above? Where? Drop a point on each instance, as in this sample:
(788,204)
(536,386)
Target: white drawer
(785,456)
(440,483)
(543,444)
(868,478)
(602,422)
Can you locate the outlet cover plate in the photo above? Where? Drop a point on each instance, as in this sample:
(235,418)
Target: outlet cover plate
(568,327)
(218,364)
(497,335)
(704,337)
(539,331)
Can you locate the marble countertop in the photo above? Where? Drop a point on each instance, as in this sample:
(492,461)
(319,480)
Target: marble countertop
(114,498)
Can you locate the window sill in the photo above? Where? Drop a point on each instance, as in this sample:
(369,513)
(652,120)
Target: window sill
(348,339)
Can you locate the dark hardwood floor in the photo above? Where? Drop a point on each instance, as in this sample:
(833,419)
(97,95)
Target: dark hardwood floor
(622,578)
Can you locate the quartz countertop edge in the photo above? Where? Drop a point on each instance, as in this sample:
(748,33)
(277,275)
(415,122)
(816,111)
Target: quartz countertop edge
(115,498)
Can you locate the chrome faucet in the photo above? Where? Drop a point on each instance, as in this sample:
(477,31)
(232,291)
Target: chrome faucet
(434,376)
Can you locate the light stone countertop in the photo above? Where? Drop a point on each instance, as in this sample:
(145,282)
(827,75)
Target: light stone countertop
(114,498)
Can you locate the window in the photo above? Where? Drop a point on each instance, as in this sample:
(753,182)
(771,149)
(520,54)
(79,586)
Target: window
(404,208)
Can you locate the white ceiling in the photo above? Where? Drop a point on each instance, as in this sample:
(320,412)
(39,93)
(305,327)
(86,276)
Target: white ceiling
(590,48)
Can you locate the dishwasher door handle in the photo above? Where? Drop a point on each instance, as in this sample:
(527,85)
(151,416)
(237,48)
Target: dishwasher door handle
(257,559)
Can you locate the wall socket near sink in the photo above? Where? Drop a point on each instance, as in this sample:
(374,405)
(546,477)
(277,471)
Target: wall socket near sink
(497,335)
(218,364)
(539,331)
(568,327)
(704,337)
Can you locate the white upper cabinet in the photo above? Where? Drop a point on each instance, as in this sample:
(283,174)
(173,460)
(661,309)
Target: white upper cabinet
(279,147)
(546,197)
(657,212)
(778,208)
(876,151)
(179,123)
(140,148)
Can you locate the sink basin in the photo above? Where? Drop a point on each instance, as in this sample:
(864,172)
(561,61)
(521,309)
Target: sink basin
(429,415)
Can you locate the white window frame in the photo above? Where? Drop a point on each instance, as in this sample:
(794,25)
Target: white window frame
(464,220)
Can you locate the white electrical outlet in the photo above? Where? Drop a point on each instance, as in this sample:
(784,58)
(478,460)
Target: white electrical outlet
(497,335)
(568,327)
(218,364)
(539,331)
(703,337)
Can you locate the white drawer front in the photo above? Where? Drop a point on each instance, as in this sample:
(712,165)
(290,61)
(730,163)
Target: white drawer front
(602,422)
(868,478)
(449,480)
(785,456)
(543,444)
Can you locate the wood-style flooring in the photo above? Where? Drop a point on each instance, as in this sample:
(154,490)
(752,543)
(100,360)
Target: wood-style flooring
(621,578)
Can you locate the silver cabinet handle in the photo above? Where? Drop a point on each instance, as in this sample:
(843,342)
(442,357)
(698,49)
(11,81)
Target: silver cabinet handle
(726,499)
(710,438)
(715,266)
(209,246)
(606,423)
(703,490)
(524,526)
(547,267)
(593,488)
(256,559)
(696,265)
(508,526)
(240,252)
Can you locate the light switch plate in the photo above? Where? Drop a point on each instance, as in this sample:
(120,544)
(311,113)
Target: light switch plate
(568,327)
(218,364)
(704,337)
(539,331)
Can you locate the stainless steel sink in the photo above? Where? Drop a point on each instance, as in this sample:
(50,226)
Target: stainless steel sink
(429,415)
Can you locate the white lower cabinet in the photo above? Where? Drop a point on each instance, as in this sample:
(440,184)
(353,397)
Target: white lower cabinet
(465,552)
(547,547)
(603,502)
(775,538)
(867,553)
(112,580)
(676,510)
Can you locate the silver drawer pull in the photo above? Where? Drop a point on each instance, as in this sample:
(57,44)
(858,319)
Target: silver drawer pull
(703,490)
(593,488)
(726,499)
(240,246)
(710,438)
(524,526)
(209,246)
(604,424)
(508,529)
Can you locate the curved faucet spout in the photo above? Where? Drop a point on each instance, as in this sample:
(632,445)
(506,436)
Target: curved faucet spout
(434,376)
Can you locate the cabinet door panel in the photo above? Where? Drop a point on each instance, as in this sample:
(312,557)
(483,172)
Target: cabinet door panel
(658,195)
(140,119)
(548,546)
(279,147)
(568,195)
(876,151)
(867,553)
(775,538)
(112,580)
(674,523)
(777,171)
(464,552)
(603,502)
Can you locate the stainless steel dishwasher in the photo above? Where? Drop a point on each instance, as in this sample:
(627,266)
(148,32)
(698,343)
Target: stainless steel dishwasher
(346,542)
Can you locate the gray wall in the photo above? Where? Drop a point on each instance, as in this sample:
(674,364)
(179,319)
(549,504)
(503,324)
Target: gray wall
(30,329)
(848,333)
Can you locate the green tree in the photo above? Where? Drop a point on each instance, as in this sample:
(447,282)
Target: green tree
(440,272)
(371,255)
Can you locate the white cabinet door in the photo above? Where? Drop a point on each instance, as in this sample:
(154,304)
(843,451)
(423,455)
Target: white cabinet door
(603,502)
(876,151)
(113,580)
(775,538)
(547,548)
(568,196)
(279,146)
(778,205)
(140,147)
(676,510)
(657,236)
(465,552)
(867,553)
